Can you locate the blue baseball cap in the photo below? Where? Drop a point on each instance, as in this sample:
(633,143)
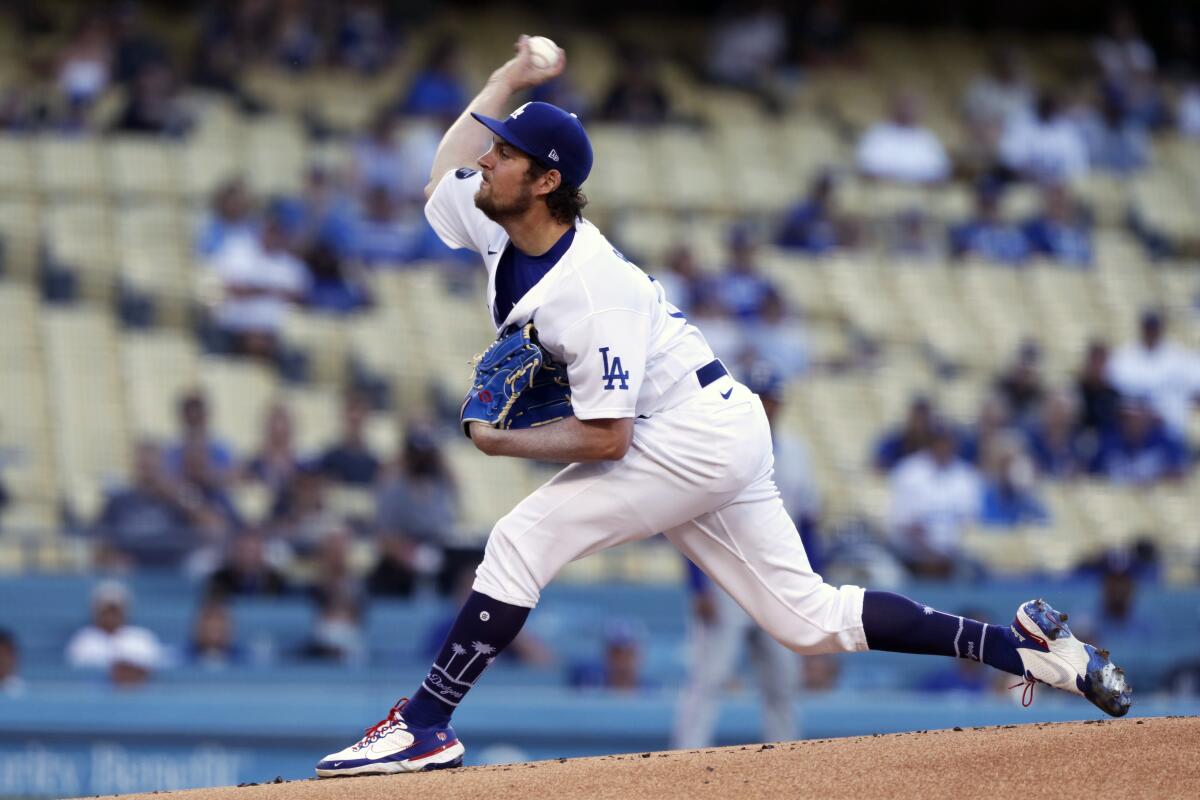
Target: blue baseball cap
(550,136)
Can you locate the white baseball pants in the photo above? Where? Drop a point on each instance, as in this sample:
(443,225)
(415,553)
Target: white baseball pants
(700,473)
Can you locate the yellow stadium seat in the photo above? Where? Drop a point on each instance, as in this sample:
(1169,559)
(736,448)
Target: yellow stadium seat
(70,167)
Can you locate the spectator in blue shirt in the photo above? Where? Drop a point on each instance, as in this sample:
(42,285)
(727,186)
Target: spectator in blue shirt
(741,292)
(437,90)
(987,235)
(321,215)
(1055,441)
(336,287)
(1008,498)
(382,234)
(350,460)
(1063,229)
(813,226)
(1115,143)
(231,215)
(912,437)
(1141,450)
(193,423)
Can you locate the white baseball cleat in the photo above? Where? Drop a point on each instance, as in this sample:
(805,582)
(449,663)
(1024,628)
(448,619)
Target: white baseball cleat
(392,746)
(1053,656)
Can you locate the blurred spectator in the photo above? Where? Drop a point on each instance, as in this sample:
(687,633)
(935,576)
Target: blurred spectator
(350,460)
(111,643)
(365,40)
(912,238)
(1063,229)
(1055,441)
(1009,498)
(135,45)
(794,476)
(1045,145)
(11,684)
(276,461)
(1115,143)
(337,635)
(1142,450)
(779,338)
(682,280)
(246,571)
(934,496)
(85,65)
(382,233)
(994,418)
(900,149)
(154,105)
(1164,373)
(747,49)
(155,521)
(296,44)
(335,574)
(1187,110)
(192,414)
(987,234)
(827,34)
(1123,52)
(437,89)
(1022,385)
(912,437)
(200,475)
(212,643)
(261,280)
(301,514)
(814,225)
(1118,614)
(620,670)
(230,218)
(636,96)
(336,287)
(741,292)
(380,160)
(1098,397)
(320,216)
(1001,93)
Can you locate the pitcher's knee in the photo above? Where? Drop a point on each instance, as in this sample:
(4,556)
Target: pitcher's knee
(826,620)
(506,572)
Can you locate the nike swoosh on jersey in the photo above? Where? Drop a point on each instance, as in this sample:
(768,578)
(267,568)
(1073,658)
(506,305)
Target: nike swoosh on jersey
(727,394)
(492,252)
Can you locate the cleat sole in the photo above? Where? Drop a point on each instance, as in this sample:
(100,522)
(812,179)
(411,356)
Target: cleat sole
(1105,686)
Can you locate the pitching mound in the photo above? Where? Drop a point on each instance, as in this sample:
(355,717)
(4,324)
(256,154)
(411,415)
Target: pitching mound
(1155,757)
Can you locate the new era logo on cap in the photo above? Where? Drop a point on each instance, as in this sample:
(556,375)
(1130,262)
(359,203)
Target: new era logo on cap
(549,135)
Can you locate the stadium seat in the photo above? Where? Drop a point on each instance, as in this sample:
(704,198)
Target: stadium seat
(70,167)
(137,166)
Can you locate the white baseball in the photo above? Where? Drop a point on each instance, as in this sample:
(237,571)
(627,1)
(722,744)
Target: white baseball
(543,53)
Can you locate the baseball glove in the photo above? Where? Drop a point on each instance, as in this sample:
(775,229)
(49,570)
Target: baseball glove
(516,385)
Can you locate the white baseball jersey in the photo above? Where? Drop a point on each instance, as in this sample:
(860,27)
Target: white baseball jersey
(623,344)
(698,469)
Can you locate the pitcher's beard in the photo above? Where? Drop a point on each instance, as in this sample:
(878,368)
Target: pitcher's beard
(499,212)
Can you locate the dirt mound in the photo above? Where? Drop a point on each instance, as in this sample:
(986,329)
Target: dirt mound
(1156,757)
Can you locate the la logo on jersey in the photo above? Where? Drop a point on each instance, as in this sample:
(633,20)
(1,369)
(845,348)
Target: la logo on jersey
(613,371)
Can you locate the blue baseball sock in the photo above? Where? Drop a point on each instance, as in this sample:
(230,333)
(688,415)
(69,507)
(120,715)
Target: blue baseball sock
(899,625)
(483,628)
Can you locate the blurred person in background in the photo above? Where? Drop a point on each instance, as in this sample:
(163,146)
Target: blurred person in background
(900,149)
(11,684)
(193,417)
(779,337)
(1009,497)
(211,484)
(1062,230)
(417,509)
(155,521)
(230,218)
(350,460)
(912,238)
(85,66)
(620,667)
(154,105)
(1099,399)
(296,44)
(683,281)
(934,495)
(338,635)
(246,570)
(826,36)
(1056,442)
(437,90)
(1046,145)
(1001,93)
(987,235)
(815,225)
(1142,450)
(301,516)
(320,216)
(1022,384)
(1187,108)
(276,462)
(993,419)
(1165,373)
(110,643)
(334,573)
(741,291)
(212,643)
(636,96)
(381,234)
(1115,142)
(261,280)
(747,50)
(913,436)
(1122,52)
(378,159)
(365,36)
(336,287)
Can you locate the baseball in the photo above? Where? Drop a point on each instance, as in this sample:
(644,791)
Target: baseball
(543,52)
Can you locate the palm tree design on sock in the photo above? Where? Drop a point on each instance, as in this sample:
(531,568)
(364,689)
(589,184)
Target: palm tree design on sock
(458,650)
(481,649)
